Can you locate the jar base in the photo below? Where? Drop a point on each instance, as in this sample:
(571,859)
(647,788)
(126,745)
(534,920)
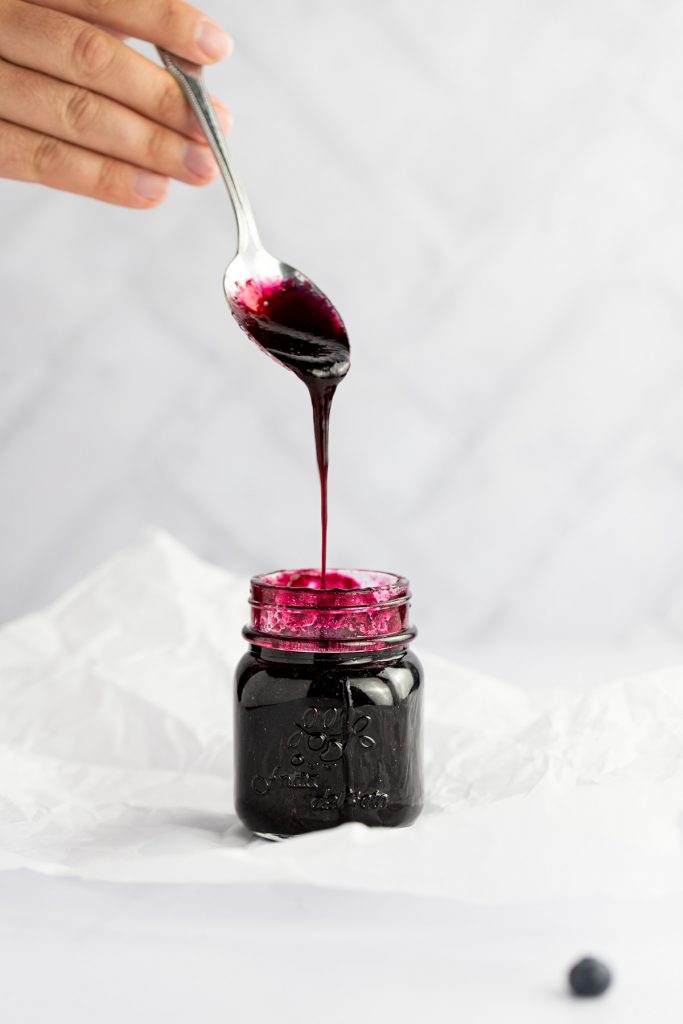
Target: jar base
(407,818)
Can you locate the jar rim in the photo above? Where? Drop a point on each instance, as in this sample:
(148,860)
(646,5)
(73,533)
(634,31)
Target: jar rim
(273,580)
(368,610)
(372,588)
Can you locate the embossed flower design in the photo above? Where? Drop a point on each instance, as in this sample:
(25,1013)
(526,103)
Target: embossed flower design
(322,733)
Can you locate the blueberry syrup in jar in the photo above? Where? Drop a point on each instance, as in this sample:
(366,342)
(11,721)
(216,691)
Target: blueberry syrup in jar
(328,704)
(297,325)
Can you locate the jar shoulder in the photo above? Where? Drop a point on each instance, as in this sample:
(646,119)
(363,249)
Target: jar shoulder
(259,679)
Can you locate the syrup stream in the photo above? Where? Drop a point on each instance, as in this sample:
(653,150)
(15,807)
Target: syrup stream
(297,325)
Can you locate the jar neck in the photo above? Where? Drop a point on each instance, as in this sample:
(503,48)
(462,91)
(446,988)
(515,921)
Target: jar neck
(347,659)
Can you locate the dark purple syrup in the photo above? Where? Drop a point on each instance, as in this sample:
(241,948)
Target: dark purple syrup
(325,739)
(299,327)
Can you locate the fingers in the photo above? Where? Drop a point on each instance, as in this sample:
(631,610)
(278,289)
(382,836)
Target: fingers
(75,115)
(169,23)
(75,51)
(26,155)
(113,32)
(82,112)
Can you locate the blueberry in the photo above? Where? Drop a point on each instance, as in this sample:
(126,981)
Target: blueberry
(589,977)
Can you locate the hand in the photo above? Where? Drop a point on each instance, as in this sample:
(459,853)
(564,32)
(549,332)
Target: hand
(83,112)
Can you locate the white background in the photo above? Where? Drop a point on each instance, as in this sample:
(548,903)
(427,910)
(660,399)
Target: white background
(76,952)
(491,194)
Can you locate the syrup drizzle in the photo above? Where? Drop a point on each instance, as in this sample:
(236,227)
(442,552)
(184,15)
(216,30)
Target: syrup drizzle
(297,325)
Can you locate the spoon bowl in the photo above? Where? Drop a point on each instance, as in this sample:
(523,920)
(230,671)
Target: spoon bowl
(288,317)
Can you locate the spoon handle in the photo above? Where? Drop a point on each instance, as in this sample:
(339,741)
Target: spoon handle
(191,80)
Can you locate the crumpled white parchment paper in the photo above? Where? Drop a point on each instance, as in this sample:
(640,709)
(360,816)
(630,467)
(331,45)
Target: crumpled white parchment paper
(116,760)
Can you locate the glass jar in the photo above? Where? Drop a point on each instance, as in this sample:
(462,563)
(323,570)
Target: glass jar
(328,704)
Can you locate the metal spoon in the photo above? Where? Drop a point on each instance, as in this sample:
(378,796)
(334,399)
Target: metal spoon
(280,308)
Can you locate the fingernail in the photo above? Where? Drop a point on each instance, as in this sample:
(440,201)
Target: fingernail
(199,160)
(213,40)
(150,185)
